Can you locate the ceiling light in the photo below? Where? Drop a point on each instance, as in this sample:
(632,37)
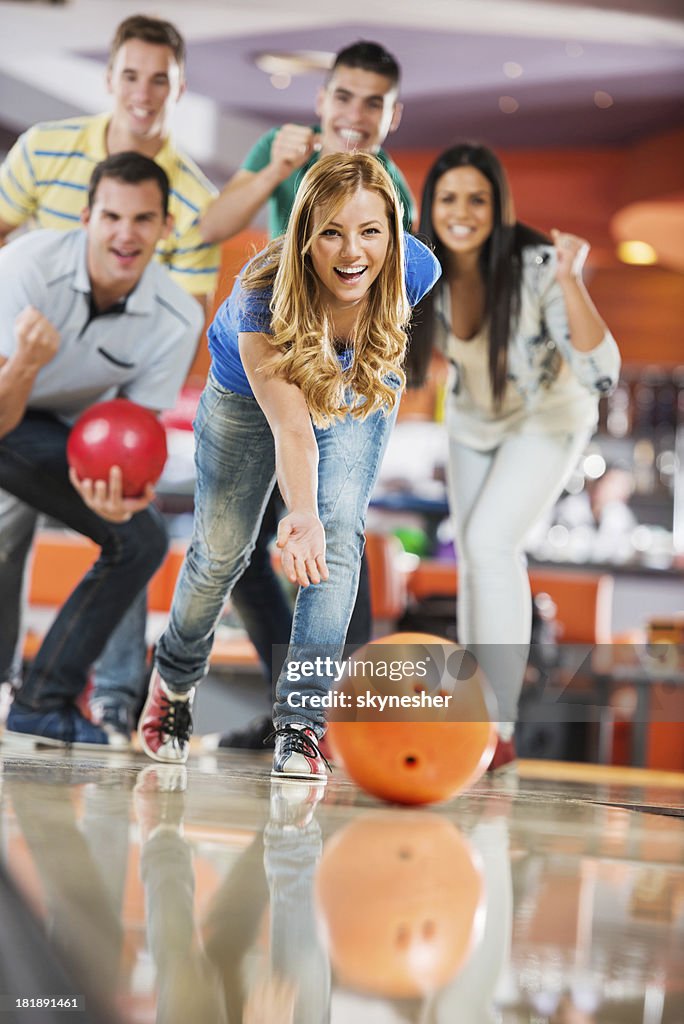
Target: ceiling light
(281,80)
(512,70)
(641,254)
(603,100)
(508,105)
(293,62)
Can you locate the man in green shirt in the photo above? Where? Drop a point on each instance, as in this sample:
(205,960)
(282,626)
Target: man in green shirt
(357,107)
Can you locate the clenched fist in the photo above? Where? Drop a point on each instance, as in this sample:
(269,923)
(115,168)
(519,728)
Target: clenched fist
(571,253)
(292,146)
(37,339)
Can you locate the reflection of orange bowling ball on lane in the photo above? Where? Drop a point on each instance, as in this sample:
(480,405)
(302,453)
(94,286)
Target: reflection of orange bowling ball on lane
(432,738)
(401,899)
(118,433)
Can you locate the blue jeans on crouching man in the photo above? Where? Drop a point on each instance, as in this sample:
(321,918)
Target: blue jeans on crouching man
(235,474)
(119,673)
(33,466)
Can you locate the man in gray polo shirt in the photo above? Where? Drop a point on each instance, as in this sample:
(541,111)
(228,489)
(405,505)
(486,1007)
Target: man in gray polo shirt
(86,316)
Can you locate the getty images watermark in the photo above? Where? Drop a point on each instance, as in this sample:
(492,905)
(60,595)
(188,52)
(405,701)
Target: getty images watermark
(384,674)
(568,682)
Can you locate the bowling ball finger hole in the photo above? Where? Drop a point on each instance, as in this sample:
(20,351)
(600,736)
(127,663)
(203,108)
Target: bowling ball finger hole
(411,761)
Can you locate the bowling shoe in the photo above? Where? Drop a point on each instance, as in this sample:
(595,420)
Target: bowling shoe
(504,755)
(297,754)
(256,735)
(55,727)
(115,719)
(166,722)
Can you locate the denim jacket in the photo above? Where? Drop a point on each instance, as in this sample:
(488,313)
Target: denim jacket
(541,342)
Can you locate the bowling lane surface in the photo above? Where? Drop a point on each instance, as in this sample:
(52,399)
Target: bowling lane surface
(554,895)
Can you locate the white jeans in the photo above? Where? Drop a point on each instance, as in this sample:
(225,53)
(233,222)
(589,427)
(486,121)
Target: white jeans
(495,497)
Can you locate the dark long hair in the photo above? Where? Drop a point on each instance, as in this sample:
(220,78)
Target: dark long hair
(500,265)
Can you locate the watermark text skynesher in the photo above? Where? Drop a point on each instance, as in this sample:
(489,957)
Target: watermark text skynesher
(368,699)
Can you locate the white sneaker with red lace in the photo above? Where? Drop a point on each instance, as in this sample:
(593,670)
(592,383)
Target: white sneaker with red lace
(297,754)
(166,722)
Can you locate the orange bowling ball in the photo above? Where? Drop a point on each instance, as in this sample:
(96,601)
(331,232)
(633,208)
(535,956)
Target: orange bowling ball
(412,721)
(401,900)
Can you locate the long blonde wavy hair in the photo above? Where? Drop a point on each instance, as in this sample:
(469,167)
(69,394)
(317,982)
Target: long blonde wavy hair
(302,333)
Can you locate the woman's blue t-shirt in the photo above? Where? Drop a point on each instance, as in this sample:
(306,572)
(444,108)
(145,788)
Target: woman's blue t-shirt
(249,312)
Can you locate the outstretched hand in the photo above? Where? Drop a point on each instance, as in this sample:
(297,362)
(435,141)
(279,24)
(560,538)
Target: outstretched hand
(571,254)
(105,497)
(301,539)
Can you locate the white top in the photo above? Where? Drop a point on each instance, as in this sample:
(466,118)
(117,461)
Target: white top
(142,353)
(552,388)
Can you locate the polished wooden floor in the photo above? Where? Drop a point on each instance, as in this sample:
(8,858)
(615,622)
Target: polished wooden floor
(552,894)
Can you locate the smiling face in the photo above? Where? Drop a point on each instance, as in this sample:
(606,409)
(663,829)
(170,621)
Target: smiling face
(349,250)
(124,224)
(145,81)
(463,210)
(357,109)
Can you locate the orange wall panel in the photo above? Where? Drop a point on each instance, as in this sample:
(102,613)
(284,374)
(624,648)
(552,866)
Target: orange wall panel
(580,190)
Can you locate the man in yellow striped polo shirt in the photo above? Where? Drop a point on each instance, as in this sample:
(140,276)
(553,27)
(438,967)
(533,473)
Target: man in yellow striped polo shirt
(46,173)
(45,179)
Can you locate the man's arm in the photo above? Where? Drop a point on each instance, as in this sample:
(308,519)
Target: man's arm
(206,304)
(5,230)
(247,190)
(37,343)
(301,536)
(18,185)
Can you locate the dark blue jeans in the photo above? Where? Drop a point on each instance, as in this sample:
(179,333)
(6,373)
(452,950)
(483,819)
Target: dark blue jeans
(33,466)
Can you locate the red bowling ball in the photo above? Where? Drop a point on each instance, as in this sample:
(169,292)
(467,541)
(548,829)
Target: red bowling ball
(118,433)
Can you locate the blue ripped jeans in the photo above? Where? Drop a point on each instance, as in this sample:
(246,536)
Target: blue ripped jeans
(235,474)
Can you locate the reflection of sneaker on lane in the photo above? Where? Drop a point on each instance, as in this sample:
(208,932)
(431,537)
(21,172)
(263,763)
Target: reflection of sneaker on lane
(293,803)
(166,722)
(115,720)
(297,754)
(256,735)
(56,727)
(159,799)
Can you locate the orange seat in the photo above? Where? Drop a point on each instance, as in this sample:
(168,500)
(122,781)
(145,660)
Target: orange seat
(60,560)
(388,580)
(584,603)
(583,600)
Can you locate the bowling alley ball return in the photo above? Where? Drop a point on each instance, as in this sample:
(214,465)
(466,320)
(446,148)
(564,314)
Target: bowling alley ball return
(413,719)
(118,433)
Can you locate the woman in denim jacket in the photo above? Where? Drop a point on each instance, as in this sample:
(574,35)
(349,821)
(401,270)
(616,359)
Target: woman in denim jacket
(530,358)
